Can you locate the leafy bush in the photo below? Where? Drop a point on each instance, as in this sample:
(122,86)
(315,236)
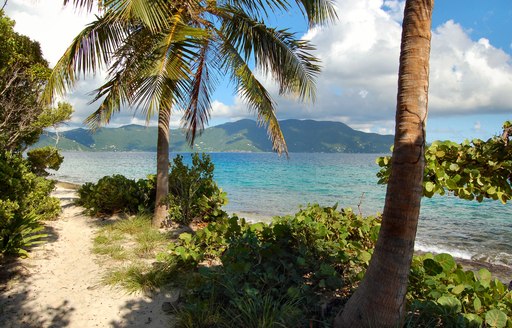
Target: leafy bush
(471,170)
(441,292)
(111,194)
(296,263)
(24,201)
(41,159)
(192,193)
(18,232)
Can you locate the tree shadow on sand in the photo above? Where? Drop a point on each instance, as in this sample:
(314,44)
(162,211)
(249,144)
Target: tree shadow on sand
(146,313)
(16,309)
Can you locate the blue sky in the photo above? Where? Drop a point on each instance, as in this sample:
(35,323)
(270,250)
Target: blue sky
(470,80)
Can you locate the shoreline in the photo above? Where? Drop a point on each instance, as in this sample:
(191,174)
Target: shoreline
(500,271)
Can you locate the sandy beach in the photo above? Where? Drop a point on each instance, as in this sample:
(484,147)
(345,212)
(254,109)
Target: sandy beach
(59,285)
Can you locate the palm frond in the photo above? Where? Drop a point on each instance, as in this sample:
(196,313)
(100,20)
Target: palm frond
(130,59)
(257,8)
(254,93)
(87,4)
(318,12)
(153,14)
(277,53)
(204,80)
(88,53)
(171,65)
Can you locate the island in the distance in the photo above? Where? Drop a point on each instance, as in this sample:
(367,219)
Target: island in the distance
(302,136)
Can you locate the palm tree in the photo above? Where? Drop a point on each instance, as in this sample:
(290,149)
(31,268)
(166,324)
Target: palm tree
(171,54)
(380,299)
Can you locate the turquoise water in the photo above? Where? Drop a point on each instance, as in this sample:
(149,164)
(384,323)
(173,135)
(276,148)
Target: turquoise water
(261,185)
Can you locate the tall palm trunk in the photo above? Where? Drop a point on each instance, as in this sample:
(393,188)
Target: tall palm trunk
(162,168)
(380,299)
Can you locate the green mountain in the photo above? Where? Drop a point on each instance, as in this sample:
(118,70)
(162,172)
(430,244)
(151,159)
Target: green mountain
(242,136)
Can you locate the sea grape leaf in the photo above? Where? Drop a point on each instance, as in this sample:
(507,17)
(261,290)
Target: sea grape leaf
(450,302)
(485,277)
(432,267)
(495,318)
(474,320)
(446,261)
(477,304)
(458,289)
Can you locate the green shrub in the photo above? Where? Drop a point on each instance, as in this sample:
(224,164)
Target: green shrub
(111,194)
(41,159)
(193,194)
(18,231)
(24,201)
(441,291)
(289,269)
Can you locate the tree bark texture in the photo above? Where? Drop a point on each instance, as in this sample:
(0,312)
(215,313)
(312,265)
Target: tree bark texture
(379,301)
(162,168)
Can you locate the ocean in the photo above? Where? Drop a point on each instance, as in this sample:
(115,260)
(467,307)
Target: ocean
(262,185)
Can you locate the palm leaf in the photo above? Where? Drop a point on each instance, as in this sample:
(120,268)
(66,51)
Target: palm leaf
(318,12)
(204,80)
(255,94)
(276,53)
(88,53)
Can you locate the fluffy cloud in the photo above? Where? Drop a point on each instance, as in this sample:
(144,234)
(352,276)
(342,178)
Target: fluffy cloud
(49,23)
(360,59)
(360,63)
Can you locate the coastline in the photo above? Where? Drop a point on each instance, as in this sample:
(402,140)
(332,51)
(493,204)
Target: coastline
(500,271)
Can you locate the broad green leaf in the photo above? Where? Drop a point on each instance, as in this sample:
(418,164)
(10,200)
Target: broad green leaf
(432,267)
(364,256)
(495,318)
(458,289)
(446,261)
(454,167)
(474,320)
(477,304)
(451,184)
(485,277)
(450,302)
(186,237)
(429,186)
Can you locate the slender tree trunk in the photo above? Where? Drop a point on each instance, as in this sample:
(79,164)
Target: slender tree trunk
(380,299)
(162,168)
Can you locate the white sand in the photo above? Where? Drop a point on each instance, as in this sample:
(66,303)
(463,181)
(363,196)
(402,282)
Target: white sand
(59,285)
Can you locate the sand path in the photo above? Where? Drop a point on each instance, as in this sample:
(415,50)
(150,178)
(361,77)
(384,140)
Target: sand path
(59,285)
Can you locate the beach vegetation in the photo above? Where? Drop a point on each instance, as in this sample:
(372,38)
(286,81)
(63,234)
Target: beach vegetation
(44,158)
(132,244)
(25,198)
(442,294)
(25,201)
(288,272)
(298,270)
(161,56)
(194,194)
(471,170)
(111,194)
(380,297)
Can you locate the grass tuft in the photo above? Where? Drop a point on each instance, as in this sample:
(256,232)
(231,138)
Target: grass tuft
(131,243)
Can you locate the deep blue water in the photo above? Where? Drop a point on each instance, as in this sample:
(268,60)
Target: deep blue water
(261,185)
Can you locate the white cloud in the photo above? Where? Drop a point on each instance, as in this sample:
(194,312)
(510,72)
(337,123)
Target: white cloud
(359,56)
(49,23)
(360,59)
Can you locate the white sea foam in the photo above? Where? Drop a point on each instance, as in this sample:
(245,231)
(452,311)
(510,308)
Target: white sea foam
(440,249)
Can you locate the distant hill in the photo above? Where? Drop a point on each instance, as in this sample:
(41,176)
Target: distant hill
(305,136)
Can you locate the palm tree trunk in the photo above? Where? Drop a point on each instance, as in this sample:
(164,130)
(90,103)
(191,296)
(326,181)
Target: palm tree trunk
(162,168)
(380,299)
